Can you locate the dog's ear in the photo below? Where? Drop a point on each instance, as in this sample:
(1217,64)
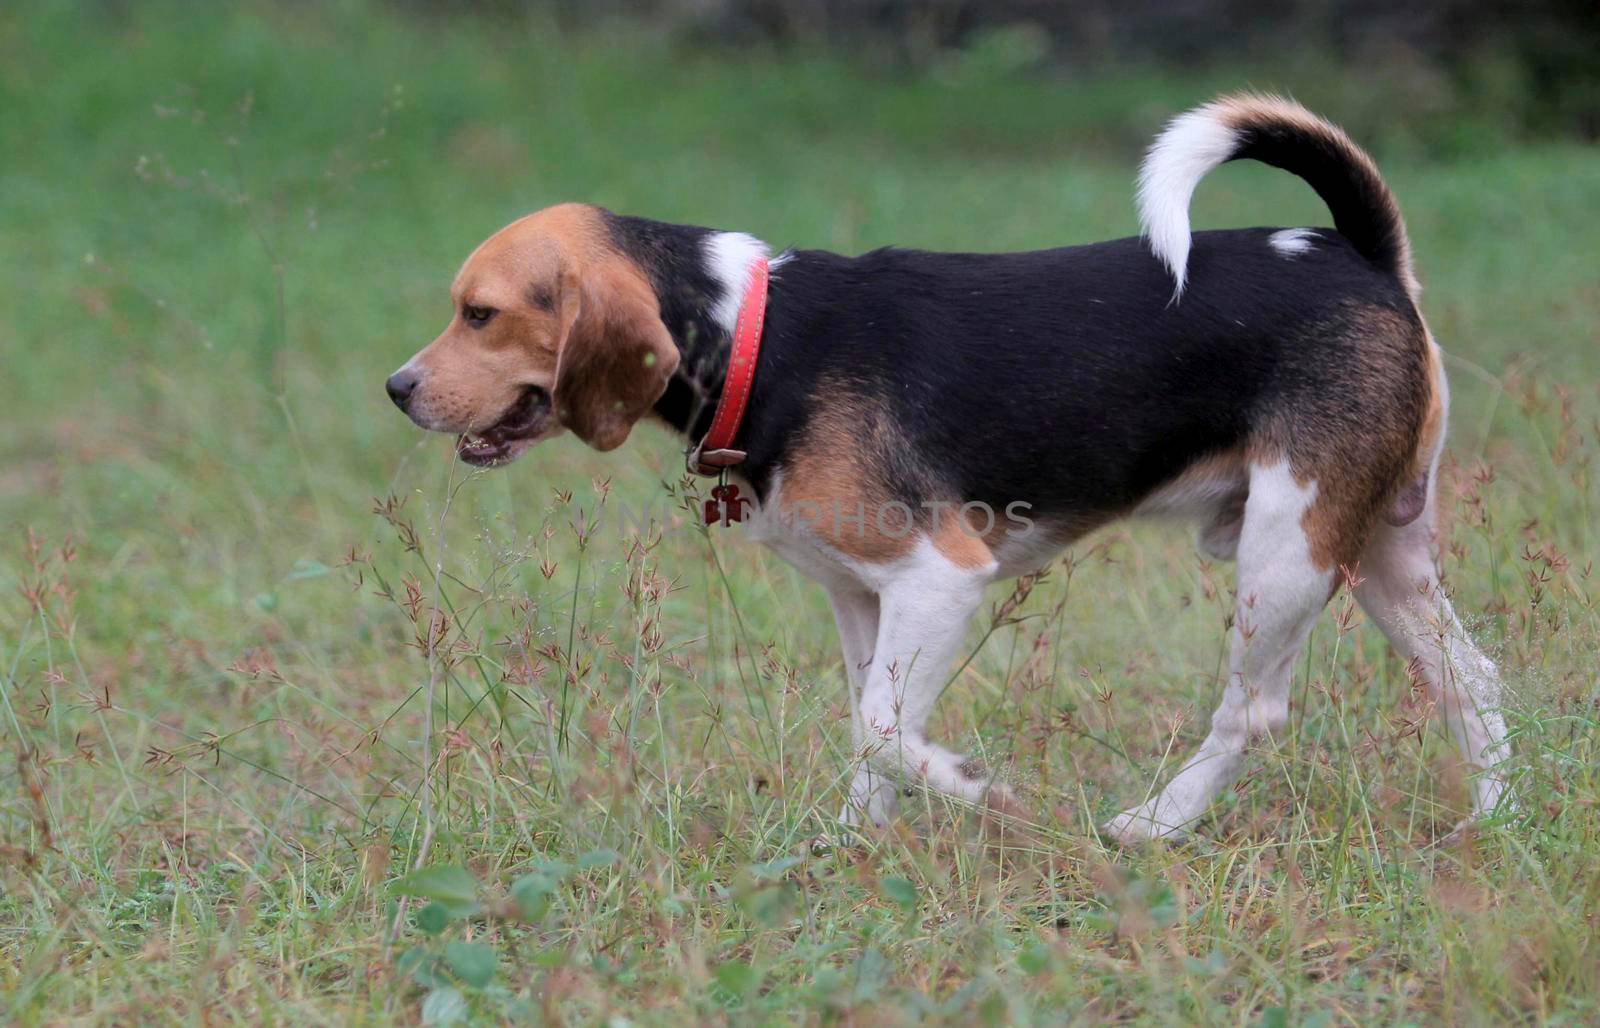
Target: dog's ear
(616,357)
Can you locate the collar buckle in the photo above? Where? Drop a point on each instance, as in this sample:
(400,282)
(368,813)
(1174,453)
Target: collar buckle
(711,463)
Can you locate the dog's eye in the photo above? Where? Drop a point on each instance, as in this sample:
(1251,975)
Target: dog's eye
(477,317)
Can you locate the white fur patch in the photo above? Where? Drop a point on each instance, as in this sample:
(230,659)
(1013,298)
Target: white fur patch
(729,256)
(1292,242)
(1189,147)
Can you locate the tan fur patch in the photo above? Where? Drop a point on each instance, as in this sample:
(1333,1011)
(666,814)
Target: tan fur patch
(1360,447)
(833,485)
(962,540)
(1433,425)
(837,484)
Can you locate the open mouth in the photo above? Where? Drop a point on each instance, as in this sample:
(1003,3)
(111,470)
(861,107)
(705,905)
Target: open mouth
(506,439)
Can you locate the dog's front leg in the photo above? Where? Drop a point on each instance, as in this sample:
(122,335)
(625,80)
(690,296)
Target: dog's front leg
(924,608)
(873,797)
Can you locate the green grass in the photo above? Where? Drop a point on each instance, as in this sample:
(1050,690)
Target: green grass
(219,230)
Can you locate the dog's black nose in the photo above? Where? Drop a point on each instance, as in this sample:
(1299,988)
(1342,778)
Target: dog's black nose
(401,385)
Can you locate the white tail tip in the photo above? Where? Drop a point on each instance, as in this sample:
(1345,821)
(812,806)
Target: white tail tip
(1191,145)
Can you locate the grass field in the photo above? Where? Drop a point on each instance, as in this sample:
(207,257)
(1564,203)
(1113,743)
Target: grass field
(224,555)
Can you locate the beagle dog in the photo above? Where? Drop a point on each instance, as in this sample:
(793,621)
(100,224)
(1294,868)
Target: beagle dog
(916,425)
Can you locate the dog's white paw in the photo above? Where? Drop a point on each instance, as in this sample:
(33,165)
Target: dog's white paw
(1138,825)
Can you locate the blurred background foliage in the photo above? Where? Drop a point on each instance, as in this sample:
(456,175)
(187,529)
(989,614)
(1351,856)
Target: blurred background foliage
(1511,69)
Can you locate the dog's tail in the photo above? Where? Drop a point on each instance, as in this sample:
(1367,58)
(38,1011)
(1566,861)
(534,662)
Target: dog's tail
(1285,135)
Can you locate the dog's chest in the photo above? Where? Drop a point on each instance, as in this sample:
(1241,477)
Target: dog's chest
(793,535)
(799,545)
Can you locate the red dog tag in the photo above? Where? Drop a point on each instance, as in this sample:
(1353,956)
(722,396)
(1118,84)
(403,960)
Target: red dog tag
(725,505)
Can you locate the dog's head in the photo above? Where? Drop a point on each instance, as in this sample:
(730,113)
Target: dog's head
(553,328)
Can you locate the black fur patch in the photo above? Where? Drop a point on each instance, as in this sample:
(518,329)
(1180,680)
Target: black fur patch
(1065,379)
(673,256)
(1363,209)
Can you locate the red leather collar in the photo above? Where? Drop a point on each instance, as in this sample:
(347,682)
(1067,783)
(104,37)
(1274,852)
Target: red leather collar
(715,454)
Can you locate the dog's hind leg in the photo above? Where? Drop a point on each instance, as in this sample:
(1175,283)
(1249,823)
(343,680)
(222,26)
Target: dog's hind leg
(1218,536)
(873,797)
(1281,591)
(1399,590)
